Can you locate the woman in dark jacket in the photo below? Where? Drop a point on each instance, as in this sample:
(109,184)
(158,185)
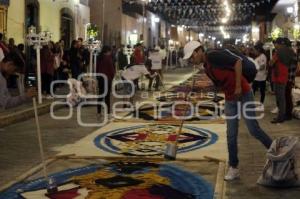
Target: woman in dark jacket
(105,67)
(47,68)
(75,59)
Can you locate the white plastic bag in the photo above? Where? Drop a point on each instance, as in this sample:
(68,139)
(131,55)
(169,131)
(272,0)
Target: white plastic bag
(296,95)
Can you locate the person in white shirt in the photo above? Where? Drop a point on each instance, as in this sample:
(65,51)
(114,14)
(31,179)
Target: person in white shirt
(132,73)
(163,53)
(156,59)
(261,76)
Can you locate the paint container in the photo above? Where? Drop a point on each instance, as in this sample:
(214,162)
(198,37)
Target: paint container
(51,187)
(171,151)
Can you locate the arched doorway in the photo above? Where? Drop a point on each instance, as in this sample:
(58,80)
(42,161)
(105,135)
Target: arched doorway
(32,15)
(67,26)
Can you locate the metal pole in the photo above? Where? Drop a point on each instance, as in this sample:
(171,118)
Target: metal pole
(39,78)
(95,61)
(176,57)
(91,61)
(103,22)
(40,139)
(143,31)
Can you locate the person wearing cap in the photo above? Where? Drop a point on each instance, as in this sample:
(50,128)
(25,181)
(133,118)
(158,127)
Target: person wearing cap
(9,66)
(280,63)
(237,92)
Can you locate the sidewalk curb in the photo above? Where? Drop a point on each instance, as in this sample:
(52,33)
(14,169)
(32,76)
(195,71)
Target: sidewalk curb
(26,114)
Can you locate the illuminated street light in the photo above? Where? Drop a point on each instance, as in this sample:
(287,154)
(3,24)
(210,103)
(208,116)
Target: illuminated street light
(227,11)
(290,10)
(255,30)
(156,20)
(38,40)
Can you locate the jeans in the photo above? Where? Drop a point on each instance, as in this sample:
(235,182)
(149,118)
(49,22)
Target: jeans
(289,100)
(101,89)
(280,100)
(46,83)
(261,85)
(232,118)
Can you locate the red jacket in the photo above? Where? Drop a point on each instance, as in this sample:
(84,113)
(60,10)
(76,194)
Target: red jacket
(226,81)
(280,72)
(105,66)
(138,57)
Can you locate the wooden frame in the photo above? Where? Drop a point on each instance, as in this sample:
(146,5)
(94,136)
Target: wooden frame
(3,19)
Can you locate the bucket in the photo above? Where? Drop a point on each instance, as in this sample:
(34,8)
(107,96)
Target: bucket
(171,151)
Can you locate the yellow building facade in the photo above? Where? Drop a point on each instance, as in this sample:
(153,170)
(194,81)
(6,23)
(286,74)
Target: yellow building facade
(65,19)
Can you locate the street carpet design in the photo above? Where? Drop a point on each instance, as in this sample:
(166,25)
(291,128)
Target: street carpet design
(117,180)
(199,83)
(127,139)
(168,112)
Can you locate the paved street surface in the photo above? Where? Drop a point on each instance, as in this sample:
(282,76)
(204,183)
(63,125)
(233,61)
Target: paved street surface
(19,147)
(19,144)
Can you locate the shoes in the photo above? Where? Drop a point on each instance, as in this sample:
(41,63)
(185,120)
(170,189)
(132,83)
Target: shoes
(288,118)
(110,117)
(275,110)
(277,121)
(48,97)
(260,108)
(232,174)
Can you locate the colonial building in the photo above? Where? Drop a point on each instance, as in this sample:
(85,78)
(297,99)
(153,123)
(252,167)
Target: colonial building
(126,24)
(65,19)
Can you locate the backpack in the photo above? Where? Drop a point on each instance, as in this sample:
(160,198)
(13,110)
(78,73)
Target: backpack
(280,168)
(249,70)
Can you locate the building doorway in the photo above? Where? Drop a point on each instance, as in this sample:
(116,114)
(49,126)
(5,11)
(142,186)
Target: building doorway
(32,15)
(3,19)
(67,27)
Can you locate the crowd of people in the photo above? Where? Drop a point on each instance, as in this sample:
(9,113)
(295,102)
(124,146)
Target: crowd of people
(279,69)
(230,69)
(61,63)
(58,62)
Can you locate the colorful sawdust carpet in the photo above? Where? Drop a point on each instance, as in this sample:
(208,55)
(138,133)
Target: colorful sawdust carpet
(150,140)
(117,180)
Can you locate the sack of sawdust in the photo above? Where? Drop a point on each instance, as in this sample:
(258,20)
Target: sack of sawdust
(296,95)
(296,112)
(281,168)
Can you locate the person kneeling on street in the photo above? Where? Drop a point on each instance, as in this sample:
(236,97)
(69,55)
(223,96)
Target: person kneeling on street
(132,73)
(11,64)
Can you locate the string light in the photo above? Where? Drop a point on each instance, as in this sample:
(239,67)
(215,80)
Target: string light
(227,11)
